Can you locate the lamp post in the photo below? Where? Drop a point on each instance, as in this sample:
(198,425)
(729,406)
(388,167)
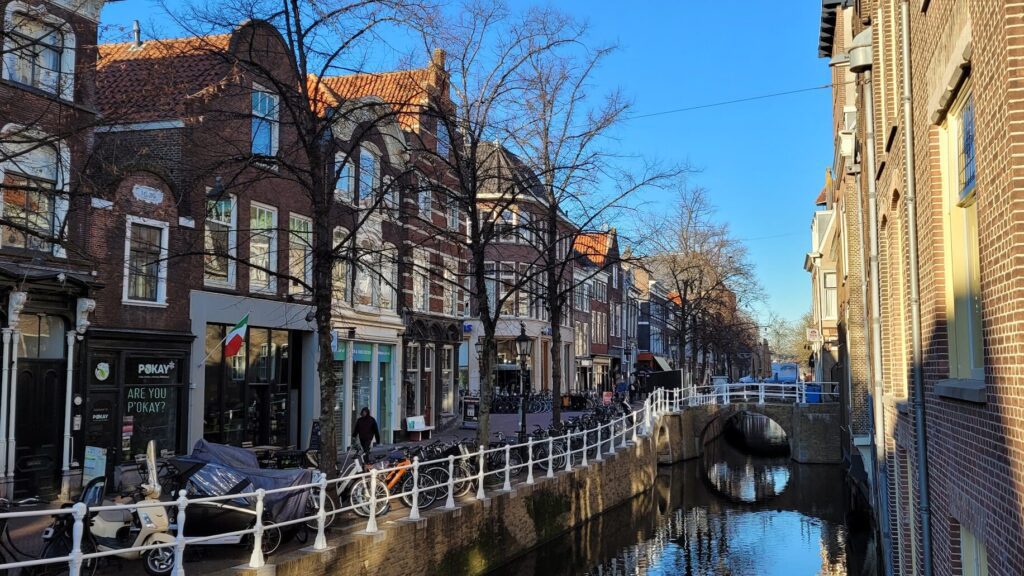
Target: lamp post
(523,348)
(628,355)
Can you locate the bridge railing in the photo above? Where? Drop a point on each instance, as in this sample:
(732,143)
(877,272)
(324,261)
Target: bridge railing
(759,392)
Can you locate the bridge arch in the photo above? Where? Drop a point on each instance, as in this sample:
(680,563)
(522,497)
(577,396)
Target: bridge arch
(781,414)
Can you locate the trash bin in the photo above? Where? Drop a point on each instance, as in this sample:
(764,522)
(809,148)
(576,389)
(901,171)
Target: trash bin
(813,393)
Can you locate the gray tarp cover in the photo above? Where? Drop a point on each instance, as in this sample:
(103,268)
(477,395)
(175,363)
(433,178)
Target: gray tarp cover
(284,506)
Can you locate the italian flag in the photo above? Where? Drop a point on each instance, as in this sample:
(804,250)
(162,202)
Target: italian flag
(236,337)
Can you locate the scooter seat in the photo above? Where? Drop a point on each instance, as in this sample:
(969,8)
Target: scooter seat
(115,516)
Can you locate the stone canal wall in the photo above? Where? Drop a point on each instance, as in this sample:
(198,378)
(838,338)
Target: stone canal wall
(482,535)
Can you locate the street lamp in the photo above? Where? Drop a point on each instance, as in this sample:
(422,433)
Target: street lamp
(628,355)
(523,348)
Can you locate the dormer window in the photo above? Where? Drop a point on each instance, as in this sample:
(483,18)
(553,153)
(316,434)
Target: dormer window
(39,53)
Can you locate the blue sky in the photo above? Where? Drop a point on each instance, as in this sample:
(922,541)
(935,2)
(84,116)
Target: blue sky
(762,162)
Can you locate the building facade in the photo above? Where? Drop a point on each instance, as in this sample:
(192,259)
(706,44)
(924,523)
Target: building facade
(935,130)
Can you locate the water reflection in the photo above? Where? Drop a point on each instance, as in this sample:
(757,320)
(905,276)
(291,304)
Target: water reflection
(728,513)
(741,476)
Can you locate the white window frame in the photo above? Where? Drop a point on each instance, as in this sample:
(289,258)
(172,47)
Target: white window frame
(830,295)
(272,117)
(271,286)
(232,243)
(297,244)
(65,77)
(161,288)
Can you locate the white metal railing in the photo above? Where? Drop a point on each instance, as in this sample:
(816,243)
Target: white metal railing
(578,448)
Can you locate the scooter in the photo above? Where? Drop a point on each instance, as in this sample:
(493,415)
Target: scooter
(146,525)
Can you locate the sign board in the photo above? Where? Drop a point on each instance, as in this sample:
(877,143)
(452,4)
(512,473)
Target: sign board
(813,335)
(470,411)
(95,463)
(606,397)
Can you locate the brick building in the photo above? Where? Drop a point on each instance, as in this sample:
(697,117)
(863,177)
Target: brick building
(938,173)
(47,280)
(599,280)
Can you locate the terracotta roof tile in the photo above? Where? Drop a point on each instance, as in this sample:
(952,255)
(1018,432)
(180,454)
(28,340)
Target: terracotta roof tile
(593,246)
(821,198)
(155,80)
(405,90)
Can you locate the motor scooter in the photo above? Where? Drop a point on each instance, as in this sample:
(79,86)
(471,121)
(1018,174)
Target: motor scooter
(144,526)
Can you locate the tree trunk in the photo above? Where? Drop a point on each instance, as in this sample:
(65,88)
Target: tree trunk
(323,262)
(556,309)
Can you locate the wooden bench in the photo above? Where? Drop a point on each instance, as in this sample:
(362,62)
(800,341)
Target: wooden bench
(417,428)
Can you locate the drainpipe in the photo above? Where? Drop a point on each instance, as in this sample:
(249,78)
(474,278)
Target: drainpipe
(915,294)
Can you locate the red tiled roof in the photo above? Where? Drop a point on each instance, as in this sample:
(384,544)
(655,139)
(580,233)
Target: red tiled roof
(593,246)
(154,81)
(821,198)
(406,91)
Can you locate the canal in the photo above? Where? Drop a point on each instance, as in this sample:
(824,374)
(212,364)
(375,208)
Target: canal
(744,508)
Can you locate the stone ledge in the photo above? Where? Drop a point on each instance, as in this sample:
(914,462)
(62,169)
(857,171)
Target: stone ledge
(962,389)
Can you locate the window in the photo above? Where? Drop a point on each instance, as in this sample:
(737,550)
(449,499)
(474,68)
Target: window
(444,144)
(973,554)
(264,122)
(346,184)
(453,215)
(369,176)
(37,54)
(451,288)
(616,320)
(491,285)
(300,254)
(262,248)
(508,289)
(340,270)
(421,283)
(390,191)
(28,212)
(525,231)
(504,226)
(425,200)
(375,276)
(831,296)
(219,241)
(582,339)
(615,277)
(145,264)
(600,291)
(963,292)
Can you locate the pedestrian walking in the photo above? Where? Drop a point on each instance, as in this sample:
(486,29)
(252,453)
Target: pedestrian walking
(366,431)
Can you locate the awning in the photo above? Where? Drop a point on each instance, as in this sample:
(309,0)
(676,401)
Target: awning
(662,363)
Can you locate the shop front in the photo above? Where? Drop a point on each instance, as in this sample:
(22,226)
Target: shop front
(430,367)
(584,375)
(137,391)
(365,372)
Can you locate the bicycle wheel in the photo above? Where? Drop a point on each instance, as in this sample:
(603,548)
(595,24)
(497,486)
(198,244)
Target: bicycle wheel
(440,477)
(427,491)
(464,476)
(61,546)
(359,496)
(313,507)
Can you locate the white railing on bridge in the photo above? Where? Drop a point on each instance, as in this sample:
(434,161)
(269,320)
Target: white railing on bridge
(580,447)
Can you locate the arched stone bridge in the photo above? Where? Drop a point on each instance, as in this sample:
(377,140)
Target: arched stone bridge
(811,429)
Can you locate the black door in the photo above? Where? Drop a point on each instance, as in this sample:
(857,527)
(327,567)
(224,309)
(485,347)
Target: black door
(39,428)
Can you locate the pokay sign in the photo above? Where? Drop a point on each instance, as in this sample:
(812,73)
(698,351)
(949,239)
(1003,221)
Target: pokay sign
(153,370)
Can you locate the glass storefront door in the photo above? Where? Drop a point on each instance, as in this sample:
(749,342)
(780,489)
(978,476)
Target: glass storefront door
(384,394)
(362,359)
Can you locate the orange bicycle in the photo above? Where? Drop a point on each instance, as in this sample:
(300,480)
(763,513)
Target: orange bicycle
(399,474)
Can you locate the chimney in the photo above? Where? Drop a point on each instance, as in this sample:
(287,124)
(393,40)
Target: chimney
(137,34)
(437,58)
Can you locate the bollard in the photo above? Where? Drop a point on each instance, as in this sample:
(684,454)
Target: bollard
(480,482)
(551,457)
(414,512)
(529,461)
(257,560)
(450,502)
(179,538)
(321,517)
(508,467)
(75,563)
(584,462)
(600,439)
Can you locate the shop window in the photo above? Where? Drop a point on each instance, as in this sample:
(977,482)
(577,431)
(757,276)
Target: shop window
(219,241)
(145,265)
(448,380)
(42,337)
(344,188)
(264,122)
(966,344)
(39,54)
(300,254)
(263,248)
(152,397)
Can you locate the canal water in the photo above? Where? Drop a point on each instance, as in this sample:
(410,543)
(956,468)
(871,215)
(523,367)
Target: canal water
(744,508)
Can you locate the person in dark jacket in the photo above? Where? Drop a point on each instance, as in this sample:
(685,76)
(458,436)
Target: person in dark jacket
(366,431)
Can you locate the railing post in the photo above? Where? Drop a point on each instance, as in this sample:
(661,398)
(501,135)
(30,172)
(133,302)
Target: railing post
(600,441)
(371,521)
(508,468)
(78,511)
(635,424)
(480,481)
(622,435)
(414,512)
(803,393)
(611,437)
(568,451)
(321,517)
(529,461)
(584,462)
(450,502)
(257,560)
(760,392)
(551,457)
(179,538)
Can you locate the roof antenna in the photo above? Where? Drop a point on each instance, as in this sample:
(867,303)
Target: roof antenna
(137,33)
